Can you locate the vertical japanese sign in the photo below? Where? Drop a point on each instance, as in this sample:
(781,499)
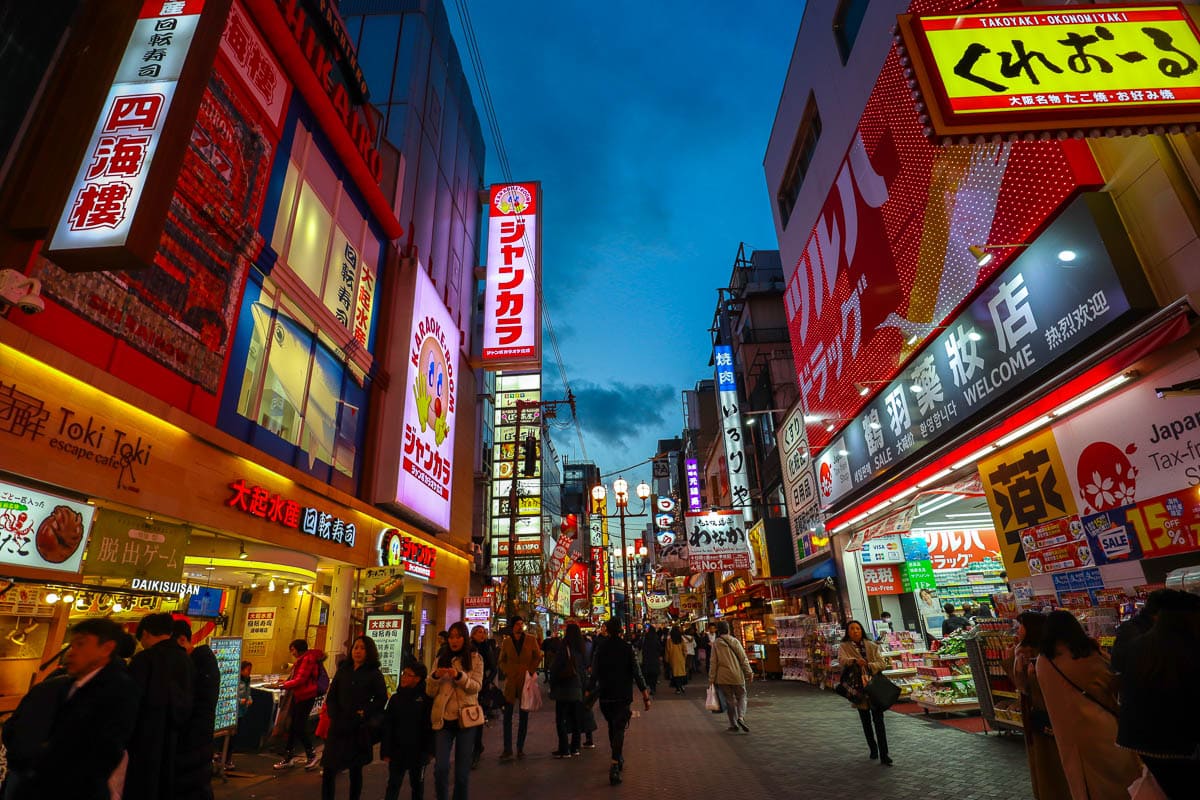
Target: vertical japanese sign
(127,546)
(717,541)
(692,468)
(104,210)
(42,530)
(387,630)
(599,580)
(426,462)
(260,622)
(800,486)
(511,319)
(730,414)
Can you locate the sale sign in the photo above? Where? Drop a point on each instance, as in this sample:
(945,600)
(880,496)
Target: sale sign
(883,579)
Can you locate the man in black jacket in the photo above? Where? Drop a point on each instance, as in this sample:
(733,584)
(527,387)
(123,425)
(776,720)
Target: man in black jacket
(614,671)
(407,742)
(93,711)
(651,659)
(163,674)
(193,766)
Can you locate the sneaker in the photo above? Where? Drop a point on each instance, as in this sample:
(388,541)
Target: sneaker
(312,763)
(561,754)
(507,755)
(589,745)
(574,753)
(742,724)
(614,773)
(287,762)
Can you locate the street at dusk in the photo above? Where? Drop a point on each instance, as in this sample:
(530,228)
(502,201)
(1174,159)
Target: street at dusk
(453,399)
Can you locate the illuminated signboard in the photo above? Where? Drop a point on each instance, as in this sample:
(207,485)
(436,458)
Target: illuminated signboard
(731,423)
(509,457)
(426,470)
(395,549)
(273,507)
(511,323)
(1106,69)
(693,484)
(42,530)
(886,261)
(105,224)
(717,541)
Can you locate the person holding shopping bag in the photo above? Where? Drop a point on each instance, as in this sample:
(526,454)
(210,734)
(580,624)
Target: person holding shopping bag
(729,670)
(519,658)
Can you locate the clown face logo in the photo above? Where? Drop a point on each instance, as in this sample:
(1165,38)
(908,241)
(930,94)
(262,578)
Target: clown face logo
(513,199)
(1106,477)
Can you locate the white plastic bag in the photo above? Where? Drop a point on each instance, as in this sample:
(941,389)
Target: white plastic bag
(1146,787)
(711,702)
(531,695)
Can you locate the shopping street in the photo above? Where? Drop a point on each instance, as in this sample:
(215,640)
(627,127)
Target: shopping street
(803,743)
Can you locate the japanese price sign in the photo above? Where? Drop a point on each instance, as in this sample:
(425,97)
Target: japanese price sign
(730,413)
(127,546)
(883,579)
(692,469)
(426,472)
(511,322)
(42,530)
(260,622)
(273,507)
(387,630)
(1057,68)
(1034,314)
(717,541)
(103,210)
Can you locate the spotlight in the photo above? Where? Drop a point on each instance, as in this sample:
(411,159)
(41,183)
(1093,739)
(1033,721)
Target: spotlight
(271,585)
(242,554)
(52,597)
(117,607)
(68,598)
(253,581)
(287,588)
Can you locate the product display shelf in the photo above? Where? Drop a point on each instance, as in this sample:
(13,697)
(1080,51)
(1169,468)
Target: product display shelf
(949,687)
(793,653)
(904,652)
(990,648)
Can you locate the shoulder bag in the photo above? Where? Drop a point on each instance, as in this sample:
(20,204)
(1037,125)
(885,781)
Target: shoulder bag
(470,716)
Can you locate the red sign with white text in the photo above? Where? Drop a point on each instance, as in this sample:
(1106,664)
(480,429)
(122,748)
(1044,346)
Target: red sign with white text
(957,549)
(883,579)
(887,260)
(512,326)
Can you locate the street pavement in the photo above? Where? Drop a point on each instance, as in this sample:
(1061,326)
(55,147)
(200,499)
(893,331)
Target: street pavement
(803,743)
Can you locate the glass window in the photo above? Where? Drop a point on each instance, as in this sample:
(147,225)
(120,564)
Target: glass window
(803,150)
(287,203)
(288,361)
(309,248)
(846,24)
(320,415)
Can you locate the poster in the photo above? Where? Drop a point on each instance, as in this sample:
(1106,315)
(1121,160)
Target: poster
(883,550)
(129,546)
(228,650)
(387,631)
(717,541)
(41,530)
(260,622)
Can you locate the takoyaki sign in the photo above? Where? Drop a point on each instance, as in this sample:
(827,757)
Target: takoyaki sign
(42,530)
(426,470)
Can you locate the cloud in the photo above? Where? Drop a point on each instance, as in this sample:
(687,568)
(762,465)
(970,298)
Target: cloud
(616,411)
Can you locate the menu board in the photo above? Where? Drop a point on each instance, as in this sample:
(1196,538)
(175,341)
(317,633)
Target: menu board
(228,650)
(387,631)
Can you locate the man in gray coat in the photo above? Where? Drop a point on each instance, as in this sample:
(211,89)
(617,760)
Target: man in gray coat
(729,670)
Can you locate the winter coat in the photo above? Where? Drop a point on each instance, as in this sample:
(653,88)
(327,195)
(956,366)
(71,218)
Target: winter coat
(729,665)
(303,680)
(1045,767)
(676,659)
(1086,734)
(163,675)
(516,665)
(449,696)
(568,675)
(355,704)
(847,654)
(615,670)
(85,739)
(193,770)
(651,654)
(407,727)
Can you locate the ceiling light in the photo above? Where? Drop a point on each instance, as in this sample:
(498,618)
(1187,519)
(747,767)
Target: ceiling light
(52,597)
(982,257)
(210,568)
(905,493)
(971,459)
(974,335)
(863,390)
(1066,256)
(936,504)
(117,607)
(271,585)
(1022,431)
(242,551)
(68,598)
(253,581)
(934,478)
(913,340)
(287,588)
(1092,394)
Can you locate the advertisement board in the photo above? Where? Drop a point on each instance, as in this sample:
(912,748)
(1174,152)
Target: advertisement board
(1056,69)
(127,546)
(717,541)
(512,326)
(260,622)
(955,549)
(692,468)
(43,531)
(882,550)
(228,650)
(883,579)
(387,630)
(729,409)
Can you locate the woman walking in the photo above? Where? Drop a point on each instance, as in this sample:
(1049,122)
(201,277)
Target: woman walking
(568,673)
(860,651)
(1045,766)
(729,670)
(677,659)
(454,687)
(355,701)
(1080,693)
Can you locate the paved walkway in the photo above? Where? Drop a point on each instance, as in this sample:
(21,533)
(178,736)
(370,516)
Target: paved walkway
(803,743)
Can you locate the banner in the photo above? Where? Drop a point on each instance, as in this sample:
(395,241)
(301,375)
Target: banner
(955,549)
(128,546)
(260,622)
(717,541)
(43,531)
(729,409)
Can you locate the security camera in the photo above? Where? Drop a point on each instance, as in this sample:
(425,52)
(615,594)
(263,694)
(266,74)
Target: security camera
(17,289)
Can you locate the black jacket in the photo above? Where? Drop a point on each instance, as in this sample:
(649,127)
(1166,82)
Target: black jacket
(407,730)
(193,775)
(163,676)
(1127,635)
(87,738)
(615,670)
(952,623)
(651,654)
(568,675)
(355,704)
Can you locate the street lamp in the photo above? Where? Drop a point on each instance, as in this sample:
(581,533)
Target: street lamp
(621,498)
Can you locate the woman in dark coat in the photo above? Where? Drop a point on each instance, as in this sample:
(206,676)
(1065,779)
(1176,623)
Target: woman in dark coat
(568,672)
(354,703)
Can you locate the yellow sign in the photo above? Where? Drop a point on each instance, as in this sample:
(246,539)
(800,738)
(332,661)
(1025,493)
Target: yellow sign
(758,549)
(1056,65)
(1025,485)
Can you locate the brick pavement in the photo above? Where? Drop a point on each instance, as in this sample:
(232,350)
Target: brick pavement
(803,743)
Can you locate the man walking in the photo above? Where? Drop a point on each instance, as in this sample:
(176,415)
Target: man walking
(164,676)
(614,672)
(730,672)
(193,779)
(519,658)
(651,659)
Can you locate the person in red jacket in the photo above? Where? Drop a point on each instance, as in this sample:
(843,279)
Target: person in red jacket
(303,686)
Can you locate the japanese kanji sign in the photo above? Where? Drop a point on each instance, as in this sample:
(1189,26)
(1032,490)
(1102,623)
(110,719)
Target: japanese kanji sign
(104,223)
(418,559)
(717,541)
(42,530)
(511,320)
(1036,313)
(729,414)
(426,470)
(692,469)
(127,546)
(1113,67)
(256,65)
(260,622)
(274,507)
(883,579)
(387,631)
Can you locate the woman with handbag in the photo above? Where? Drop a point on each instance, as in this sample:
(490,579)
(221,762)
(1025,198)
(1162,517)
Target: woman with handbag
(1045,766)
(729,670)
(568,670)
(355,701)
(454,687)
(861,652)
(1080,692)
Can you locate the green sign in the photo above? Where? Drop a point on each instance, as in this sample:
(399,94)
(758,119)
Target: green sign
(917,575)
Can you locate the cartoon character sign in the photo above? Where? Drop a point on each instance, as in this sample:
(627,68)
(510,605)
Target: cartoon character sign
(432,389)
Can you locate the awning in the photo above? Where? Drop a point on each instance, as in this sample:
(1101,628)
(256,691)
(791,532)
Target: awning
(817,571)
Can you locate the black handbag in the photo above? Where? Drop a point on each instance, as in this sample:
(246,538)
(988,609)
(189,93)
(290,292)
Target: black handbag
(882,693)
(850,684)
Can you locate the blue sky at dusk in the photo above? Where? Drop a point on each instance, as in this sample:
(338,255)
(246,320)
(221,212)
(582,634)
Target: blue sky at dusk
(647,123)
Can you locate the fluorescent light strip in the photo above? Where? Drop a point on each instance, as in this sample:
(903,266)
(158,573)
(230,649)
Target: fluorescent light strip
(940,503)
(910,490)
(934,478)
(1023,431)
(987,514)
(1090,395)
(971,459)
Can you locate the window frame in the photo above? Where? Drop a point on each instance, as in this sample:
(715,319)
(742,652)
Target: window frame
(808,136)
(844,38)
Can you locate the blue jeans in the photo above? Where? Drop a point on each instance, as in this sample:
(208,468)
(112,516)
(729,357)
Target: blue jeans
(463,741)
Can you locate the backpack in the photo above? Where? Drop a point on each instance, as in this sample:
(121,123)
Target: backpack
(322,680)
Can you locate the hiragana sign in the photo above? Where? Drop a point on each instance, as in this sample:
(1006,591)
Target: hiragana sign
(730,418)
(717,541)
